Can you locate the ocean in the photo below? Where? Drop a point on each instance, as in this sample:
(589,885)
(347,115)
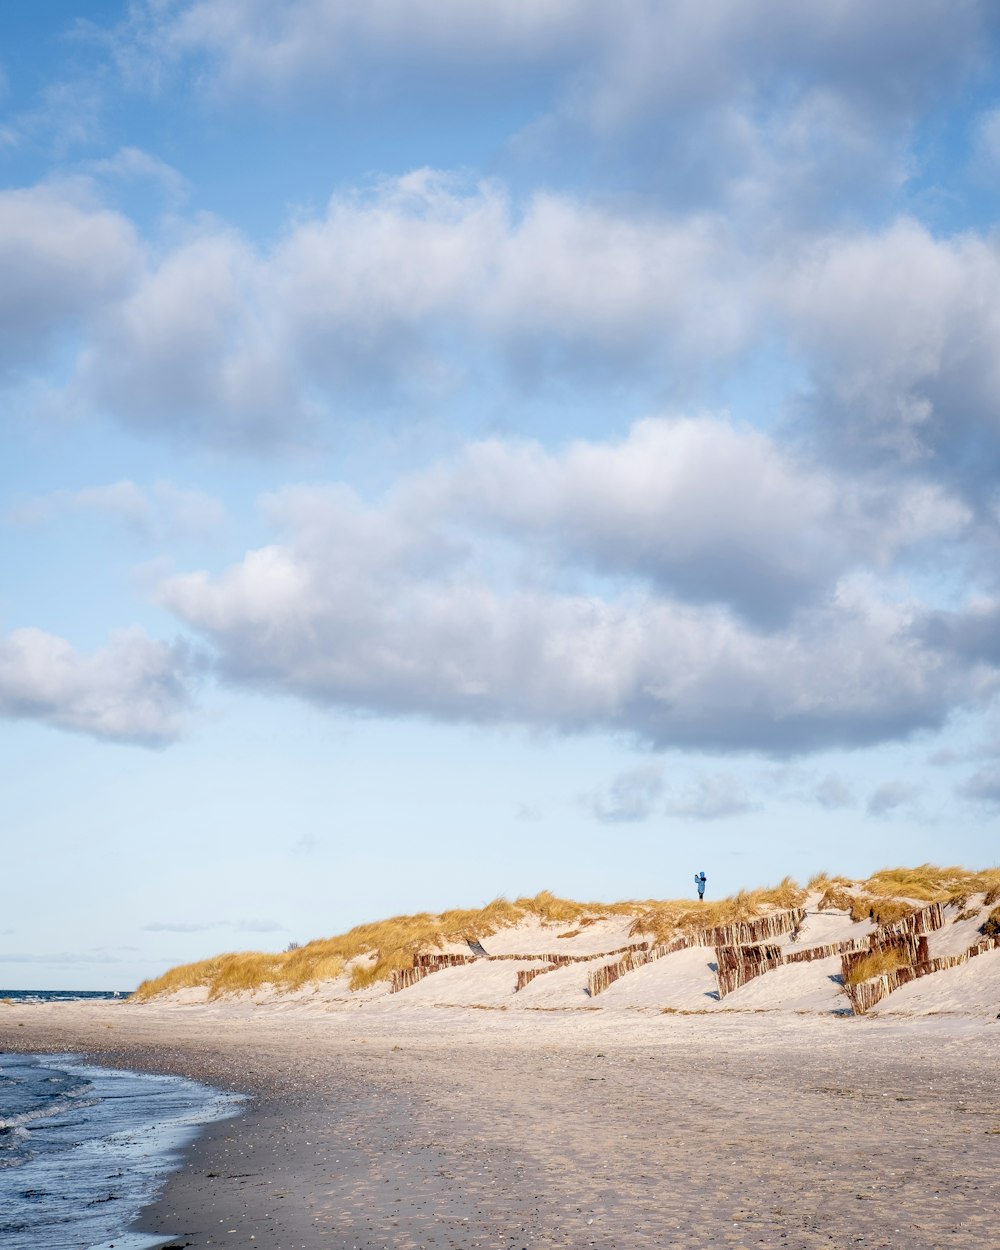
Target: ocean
(83,1148)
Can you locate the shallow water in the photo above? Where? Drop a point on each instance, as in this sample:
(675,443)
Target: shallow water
(83,1149)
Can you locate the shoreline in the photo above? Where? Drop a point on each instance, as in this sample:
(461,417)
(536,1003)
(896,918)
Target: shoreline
(460,1129)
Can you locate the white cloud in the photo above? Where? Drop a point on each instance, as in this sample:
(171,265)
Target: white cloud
(388,295)
(133,690)
(160,512)
(700,507)
(889,796)
(252,925)
(902,335)
(62,259)
(436,603)
(401,295)
(982,788)
(251,45)
(786,111)
(833,792)
(630,797)
(131,164)
(712,796)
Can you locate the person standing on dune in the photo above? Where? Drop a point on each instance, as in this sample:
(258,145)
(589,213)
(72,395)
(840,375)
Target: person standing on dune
(699,880)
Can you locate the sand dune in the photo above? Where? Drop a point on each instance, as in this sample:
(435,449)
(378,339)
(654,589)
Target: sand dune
(783,960)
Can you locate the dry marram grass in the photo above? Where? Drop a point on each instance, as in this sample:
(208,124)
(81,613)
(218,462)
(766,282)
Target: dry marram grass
(877,964)
(373,951)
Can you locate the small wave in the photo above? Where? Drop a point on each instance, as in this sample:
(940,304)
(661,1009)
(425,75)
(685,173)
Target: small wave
(59,1107)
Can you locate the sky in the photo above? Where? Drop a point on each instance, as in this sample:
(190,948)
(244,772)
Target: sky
(460,448)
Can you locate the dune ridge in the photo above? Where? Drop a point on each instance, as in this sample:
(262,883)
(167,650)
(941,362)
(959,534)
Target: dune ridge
(900,940)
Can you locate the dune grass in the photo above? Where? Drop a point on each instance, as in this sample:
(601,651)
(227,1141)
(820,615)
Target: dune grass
(889,894)
(661,921)
(877,964)
(370,953)
(374,950)
(929,884)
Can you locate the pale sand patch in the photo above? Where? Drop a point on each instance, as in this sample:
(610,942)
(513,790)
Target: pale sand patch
(812,987)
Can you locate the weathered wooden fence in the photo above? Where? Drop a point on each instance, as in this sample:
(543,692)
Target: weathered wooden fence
(526,975)
(747,933)
(923,920)
(742,960)
(736,965)
(426,962)
(750,932)
(599,980)
(809,953)
(743,952)
(866,994)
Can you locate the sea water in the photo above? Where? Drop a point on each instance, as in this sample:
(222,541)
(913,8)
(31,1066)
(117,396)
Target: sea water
(83,1149)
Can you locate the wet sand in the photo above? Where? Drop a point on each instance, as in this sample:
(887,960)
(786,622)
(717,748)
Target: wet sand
(452,1128)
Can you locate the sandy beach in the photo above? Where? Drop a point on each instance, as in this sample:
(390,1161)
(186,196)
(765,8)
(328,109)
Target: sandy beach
(435,1127)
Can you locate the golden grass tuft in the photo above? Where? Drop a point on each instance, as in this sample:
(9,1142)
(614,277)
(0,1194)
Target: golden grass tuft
(991,925)
(836,899)
(877,964)
(888,895)
(552,910)
(928,883)
(664,920)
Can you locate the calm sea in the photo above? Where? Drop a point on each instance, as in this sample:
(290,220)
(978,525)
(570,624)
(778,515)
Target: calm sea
(83,1149)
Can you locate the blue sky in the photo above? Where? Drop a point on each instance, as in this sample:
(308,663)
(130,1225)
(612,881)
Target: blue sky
(463,448)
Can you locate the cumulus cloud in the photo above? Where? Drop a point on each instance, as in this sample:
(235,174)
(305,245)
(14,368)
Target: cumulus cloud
(782,112)
(832,792)
(629,798)
(901,333)
(63,259)
(403,293)
(982,788)
(434,603)
(251,46)
(131,164)
(712,796)
(972,632)
(387,294)
(159,512)
(889,796)
(700,507)
(133,690)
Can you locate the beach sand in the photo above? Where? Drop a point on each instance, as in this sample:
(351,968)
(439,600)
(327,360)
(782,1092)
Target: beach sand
(437,1127)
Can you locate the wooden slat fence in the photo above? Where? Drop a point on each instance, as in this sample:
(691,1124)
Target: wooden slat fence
(426,962)
(750,932)
(599,980)
(736,965)
(526,975)
(866,994)
(907,934)
(746,933)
